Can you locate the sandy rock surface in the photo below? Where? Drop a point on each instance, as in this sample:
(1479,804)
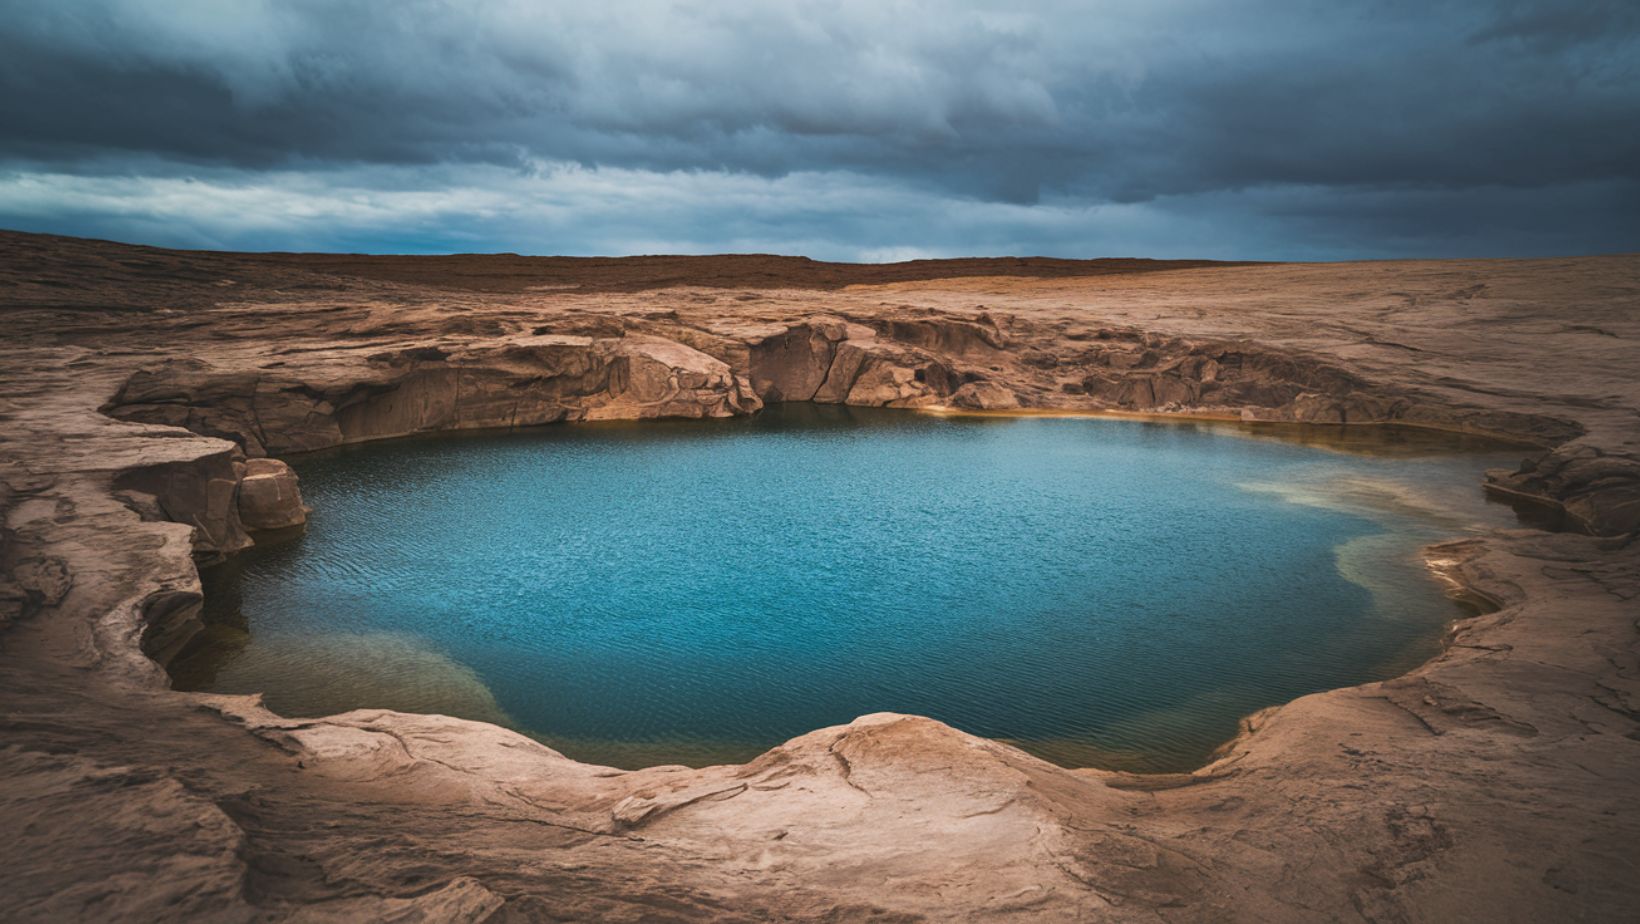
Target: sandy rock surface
(146,395)
(270,496)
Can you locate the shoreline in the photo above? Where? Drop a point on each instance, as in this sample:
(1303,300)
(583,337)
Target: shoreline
(1501,438)
(1445,574)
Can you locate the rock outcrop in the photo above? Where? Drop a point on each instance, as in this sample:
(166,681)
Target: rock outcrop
(202,493)
(930,361)
(526,381)
(269,496)
(1597,493)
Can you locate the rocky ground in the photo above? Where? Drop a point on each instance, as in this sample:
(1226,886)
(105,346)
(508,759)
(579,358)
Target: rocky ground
(146,395)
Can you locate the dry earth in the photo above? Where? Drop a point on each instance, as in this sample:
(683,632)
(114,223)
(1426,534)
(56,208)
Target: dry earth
(145,395)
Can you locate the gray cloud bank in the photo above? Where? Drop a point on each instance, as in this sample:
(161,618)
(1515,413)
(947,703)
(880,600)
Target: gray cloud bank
(877,130)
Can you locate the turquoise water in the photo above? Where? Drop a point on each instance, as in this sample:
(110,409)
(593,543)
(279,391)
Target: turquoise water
(1100,592)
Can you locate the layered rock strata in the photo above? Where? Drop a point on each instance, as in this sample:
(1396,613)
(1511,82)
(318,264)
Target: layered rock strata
(933,361)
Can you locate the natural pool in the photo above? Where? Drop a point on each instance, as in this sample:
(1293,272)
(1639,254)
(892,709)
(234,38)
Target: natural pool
(1099,592)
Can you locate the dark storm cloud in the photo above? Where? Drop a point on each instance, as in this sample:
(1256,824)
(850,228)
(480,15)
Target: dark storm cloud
(1329,120)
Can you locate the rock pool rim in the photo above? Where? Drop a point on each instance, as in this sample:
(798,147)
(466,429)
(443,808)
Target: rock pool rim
(1443,559)
(465,798)
(1333,436)
(1255,427)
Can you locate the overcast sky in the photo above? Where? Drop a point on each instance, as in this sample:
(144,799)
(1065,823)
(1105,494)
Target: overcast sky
(880,130)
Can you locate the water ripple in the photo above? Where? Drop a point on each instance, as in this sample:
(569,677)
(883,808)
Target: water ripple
(1095,591)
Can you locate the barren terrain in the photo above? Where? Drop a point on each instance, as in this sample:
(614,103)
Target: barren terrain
(145,396)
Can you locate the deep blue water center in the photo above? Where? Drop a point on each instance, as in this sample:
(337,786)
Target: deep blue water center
(1099,592)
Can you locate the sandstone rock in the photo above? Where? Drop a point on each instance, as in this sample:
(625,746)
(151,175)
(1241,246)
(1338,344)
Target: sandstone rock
(1492,782)
(202,493)
(269,497)
(527,382)
(171,618)
(29,582)
(1599,494)
(655,377)
(793,365)
(954,336)
(984,396)
(847,362)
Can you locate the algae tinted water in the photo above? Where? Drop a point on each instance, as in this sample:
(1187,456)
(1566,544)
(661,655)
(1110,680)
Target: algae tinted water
(1099,592)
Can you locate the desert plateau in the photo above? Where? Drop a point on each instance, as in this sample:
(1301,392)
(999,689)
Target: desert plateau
(150,395)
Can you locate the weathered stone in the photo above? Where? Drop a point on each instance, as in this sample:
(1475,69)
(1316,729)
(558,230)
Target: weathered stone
(984,396)
(1599,494)
(792,365)
(269,497)
(201,493)
(1489,783)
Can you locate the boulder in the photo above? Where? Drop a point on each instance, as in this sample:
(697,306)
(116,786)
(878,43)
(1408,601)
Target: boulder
(984,396)
(269,497)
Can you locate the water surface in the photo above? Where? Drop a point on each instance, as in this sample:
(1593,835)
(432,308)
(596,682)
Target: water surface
(1100,592)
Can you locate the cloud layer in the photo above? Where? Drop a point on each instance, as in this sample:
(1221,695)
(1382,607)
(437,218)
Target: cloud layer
(844,130)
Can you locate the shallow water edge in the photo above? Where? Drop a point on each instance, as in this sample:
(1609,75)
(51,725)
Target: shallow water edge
(1114,753)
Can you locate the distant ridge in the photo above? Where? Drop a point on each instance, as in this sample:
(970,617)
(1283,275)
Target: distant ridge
(510,272)
(506,272)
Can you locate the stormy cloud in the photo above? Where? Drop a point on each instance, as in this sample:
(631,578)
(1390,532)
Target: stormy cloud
(877,130)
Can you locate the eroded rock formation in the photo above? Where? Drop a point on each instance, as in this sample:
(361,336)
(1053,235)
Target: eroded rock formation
(927,361)
(525,381)
(270,497)
(1598,493)
(1495,782)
